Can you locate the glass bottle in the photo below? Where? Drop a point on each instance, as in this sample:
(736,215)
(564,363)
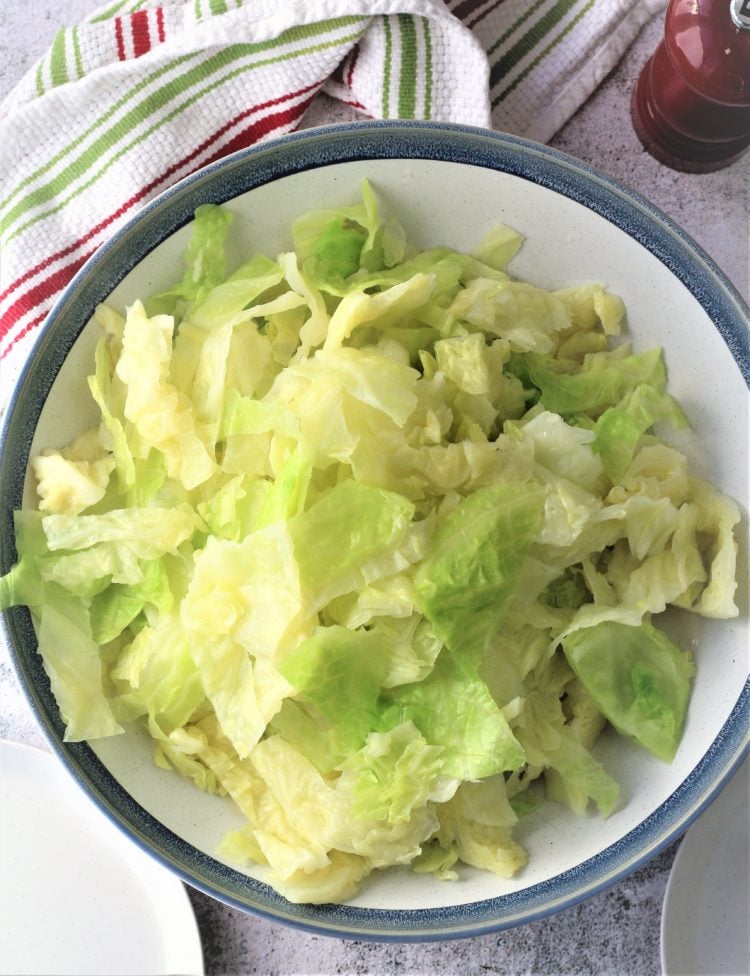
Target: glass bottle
(691,104)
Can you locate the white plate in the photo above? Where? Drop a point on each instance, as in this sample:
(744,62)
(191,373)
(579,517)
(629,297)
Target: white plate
(76,896)
(704,927)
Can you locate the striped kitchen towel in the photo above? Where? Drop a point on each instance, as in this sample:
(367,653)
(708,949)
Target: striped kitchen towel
(145,92)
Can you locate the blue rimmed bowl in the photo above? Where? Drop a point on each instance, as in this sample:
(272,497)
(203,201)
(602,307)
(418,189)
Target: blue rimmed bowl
(448,185)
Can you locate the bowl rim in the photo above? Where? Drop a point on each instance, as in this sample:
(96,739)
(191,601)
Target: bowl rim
(160,218)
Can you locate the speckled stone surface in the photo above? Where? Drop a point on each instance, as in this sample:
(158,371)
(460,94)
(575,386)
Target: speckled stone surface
(616,932)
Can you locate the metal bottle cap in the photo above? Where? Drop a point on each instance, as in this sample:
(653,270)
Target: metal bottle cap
(740,12)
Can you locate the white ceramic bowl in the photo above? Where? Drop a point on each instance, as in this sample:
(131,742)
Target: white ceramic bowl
(448,185)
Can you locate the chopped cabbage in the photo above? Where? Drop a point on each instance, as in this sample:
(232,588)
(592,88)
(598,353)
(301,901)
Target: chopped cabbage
(372,540)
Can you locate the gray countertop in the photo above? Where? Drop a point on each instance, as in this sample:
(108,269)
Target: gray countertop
(616,931)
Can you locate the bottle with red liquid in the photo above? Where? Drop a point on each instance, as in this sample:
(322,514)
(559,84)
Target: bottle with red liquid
(691,104)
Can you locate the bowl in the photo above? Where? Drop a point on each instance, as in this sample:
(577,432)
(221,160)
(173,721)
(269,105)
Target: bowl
(447,184)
